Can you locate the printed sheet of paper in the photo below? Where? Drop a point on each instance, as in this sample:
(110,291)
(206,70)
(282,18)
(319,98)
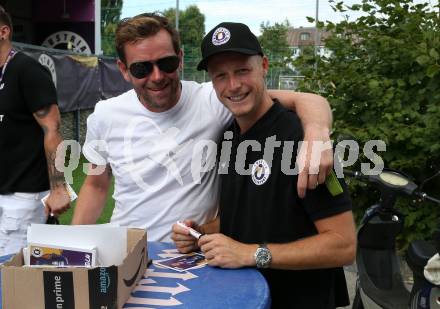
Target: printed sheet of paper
(183,262)
(110,242)
(46,255)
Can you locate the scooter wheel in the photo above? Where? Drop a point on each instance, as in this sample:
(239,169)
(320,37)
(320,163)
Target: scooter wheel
(357,302)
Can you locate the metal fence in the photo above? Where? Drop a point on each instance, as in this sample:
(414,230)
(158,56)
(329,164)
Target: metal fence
(83,80)
(275,78)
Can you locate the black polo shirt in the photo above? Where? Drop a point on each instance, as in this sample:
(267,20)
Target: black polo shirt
(27,88)
(262,206)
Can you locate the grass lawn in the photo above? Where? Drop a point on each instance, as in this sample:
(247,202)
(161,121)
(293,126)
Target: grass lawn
(78,178)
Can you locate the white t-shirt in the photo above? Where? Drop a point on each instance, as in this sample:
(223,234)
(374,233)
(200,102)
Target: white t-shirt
(163,163)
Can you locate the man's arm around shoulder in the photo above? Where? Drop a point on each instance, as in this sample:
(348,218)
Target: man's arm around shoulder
(316,118)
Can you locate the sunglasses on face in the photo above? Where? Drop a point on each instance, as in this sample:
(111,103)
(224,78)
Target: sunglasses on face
(143,69)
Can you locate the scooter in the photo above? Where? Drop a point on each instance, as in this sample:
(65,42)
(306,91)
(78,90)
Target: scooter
(379,280)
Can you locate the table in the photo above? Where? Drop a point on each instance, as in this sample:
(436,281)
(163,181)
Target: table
(205,287)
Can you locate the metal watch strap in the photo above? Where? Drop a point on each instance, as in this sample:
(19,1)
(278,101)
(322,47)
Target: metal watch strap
(262,245)
(263,256)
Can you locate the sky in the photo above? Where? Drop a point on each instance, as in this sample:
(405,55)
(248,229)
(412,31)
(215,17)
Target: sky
(250,12)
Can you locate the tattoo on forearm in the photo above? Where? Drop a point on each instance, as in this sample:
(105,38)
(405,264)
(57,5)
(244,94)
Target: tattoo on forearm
(43,112)
(45,129)
(56,178)
(57,129)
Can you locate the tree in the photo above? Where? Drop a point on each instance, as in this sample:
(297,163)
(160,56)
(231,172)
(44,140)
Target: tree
(110,15)
(273,40)
(192,30)
(383,82)
(191,25)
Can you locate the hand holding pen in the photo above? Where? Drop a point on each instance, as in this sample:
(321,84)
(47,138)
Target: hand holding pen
(185,236)
(191,231)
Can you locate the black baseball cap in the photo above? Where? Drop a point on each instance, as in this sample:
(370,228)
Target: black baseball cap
(224,37)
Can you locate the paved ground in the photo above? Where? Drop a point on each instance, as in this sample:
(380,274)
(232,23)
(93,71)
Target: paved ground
(350,276)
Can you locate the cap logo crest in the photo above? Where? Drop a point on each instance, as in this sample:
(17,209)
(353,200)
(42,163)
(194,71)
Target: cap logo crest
(220,36)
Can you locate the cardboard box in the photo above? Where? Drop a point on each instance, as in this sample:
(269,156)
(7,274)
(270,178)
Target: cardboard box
(75,288)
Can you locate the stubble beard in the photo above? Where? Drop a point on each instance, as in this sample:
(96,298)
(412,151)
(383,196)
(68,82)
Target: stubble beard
(150,102)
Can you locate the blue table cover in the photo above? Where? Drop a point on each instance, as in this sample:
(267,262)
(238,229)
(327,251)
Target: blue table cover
(206,287)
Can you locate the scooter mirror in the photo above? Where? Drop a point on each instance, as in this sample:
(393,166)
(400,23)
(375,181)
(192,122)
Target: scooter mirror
(393,178)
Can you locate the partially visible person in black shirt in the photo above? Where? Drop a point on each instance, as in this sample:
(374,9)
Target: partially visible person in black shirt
(29,137)
(299,245)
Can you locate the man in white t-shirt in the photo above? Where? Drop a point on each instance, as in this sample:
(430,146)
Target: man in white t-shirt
(159,139)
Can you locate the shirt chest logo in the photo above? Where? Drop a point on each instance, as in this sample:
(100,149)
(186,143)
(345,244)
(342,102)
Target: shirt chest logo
(260,172)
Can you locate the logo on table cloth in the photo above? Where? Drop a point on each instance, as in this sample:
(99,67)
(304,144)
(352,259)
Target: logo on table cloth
(260,172)
(160,287)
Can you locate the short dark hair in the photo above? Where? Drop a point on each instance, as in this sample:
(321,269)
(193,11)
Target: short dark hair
(5,19)
(140,27)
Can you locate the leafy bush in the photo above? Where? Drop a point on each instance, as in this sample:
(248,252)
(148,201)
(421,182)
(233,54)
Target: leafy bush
(383,82)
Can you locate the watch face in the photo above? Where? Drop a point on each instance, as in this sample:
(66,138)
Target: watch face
(263,257)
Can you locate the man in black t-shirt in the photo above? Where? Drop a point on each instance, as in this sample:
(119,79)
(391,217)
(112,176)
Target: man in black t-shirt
(299,245)
(29,137)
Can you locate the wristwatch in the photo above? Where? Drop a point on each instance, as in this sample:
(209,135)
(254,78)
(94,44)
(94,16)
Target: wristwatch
(262,256)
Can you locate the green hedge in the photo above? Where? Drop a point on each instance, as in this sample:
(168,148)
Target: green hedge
(383,82)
